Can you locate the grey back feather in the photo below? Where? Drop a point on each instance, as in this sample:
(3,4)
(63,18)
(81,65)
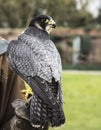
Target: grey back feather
(34,54)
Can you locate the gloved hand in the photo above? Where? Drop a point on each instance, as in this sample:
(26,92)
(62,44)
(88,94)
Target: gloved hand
(21,119)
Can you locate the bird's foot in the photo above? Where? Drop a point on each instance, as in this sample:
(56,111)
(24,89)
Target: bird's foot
(27,93)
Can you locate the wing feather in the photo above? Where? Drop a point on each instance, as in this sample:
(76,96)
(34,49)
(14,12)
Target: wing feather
(26,64)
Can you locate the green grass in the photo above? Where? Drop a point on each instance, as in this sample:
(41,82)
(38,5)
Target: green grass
(82,97)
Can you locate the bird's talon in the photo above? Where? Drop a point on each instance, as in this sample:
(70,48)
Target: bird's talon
(28,91)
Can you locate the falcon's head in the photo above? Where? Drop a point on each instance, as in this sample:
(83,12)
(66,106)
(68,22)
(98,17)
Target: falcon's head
(43,22)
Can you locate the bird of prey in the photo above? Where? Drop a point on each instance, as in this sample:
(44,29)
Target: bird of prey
(35,58)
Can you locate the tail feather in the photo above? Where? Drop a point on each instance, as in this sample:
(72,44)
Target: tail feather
(57,117)
(42,113)
(38,112)
(35,111)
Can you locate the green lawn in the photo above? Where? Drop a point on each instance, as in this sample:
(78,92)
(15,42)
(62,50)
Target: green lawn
(82,102)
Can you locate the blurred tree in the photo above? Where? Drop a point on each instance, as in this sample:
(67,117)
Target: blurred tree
(99,17)
(40,7)
(83,4)
(14,13)
(65,12)
(85,17)
(26,9)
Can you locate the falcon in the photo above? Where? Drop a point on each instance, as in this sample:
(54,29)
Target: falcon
(35,58)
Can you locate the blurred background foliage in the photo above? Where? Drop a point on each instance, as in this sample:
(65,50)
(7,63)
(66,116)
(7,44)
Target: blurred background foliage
(71,22)
(14,13)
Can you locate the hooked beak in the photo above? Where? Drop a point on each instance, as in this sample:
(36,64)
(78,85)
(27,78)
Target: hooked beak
(54,25)
(50,24)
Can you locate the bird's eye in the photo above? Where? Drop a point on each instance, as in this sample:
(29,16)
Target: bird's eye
(43,20)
